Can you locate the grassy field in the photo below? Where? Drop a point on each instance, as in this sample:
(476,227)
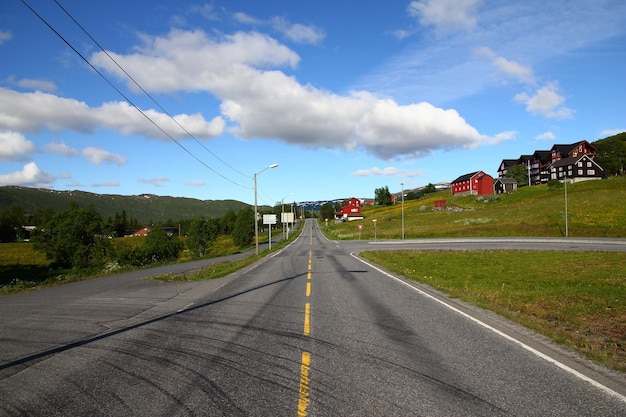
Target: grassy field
(595,209)
(575,298)
(23,268)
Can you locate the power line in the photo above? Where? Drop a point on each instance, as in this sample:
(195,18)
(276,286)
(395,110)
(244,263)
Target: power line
(126,97)
(144,91)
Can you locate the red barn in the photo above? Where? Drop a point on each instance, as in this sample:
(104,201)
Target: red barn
(351,210)
(475,183)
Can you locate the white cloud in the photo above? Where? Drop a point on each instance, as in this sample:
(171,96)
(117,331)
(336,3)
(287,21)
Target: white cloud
(261,102)
(297,32)
(195,183)
(388,172)
(445,15)
(30,175)
(61,148)
(611,132)
(154,181)
(4,36)
(546,136)
(14,146)
(247,19)
(99,156)
(509,68)
(32,84)
(546,102)
(36,111)
(107,184)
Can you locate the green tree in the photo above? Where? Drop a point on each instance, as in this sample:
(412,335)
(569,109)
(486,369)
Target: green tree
(74,238)
(519,173)
(11,222)
(327,211)
(612,154)
(382,196)
(227,222)
(202,234)
(243,229)
(159,246)
(430,188)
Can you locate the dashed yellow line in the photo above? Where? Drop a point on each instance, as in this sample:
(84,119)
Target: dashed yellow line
(303,404)
(307,319)
(305,399)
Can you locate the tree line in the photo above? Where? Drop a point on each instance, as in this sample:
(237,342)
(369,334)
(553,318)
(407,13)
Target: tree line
(82,238)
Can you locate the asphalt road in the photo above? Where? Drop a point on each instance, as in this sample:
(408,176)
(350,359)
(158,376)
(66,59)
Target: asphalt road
(311,330)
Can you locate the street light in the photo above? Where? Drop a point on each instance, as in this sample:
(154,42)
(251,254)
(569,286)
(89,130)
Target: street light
(256,221)
(402,185)
(556,176)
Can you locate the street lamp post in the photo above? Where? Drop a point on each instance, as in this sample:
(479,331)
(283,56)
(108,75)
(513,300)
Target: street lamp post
(566,224)
(256,213)
(402,185)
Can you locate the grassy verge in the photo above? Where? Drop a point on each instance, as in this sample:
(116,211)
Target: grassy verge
(221,269)
(576,298)
(595,209)
(22,268)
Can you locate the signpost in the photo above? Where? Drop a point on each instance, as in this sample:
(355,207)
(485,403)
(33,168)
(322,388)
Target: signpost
(269,219)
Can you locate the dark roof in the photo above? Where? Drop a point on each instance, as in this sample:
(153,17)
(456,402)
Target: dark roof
(571,161)
(506,180)
(508,162)
(465,177)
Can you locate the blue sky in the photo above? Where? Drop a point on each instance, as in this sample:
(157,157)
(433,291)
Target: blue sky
(192,99)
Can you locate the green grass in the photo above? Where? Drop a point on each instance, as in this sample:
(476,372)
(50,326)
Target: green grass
(22,268)
(595,209)
(575,298)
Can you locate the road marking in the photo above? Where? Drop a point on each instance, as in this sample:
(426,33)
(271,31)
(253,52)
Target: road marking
(502,334)
(307,319)
(308,289)
(303,404)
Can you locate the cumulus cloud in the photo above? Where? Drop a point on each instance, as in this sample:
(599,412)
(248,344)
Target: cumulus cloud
(258,100)
(611,132)
(30,175)
(61,148)
(508,68)
(387,172)
(99,156)
(445,15)
(154,181)
(546,102)
(14,146)
(107,184)
(297,32)
(36,111)
(546,136)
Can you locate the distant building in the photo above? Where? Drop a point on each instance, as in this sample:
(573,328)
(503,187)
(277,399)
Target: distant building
(579,168)
(474,183)
(504,185)
(351,210)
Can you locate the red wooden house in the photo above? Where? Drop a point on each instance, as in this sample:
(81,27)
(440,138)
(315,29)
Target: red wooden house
(351,210)
(474,183)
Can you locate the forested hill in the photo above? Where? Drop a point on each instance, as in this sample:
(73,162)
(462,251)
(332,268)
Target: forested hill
(145,207)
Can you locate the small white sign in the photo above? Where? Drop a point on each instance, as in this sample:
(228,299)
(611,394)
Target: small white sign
(287,218)
(269,219)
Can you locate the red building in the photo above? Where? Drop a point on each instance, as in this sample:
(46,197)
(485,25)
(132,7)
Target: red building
(475,183)
(351,210)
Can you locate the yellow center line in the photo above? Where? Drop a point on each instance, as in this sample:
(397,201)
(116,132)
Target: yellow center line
(303,404)
(307,319)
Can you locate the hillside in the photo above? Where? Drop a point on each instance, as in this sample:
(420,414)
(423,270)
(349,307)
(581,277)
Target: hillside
(145,207)
(595,209)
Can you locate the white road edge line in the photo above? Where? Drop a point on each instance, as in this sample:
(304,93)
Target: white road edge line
(502,334)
